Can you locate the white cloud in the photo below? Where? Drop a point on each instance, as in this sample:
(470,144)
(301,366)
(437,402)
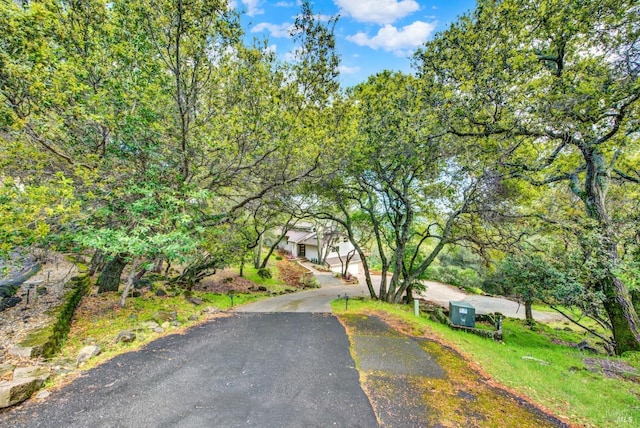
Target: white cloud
(377,11)
(253,8)
(284,4)
(280,31)
(389,38)
(348,70)
(293,55)
(271,49)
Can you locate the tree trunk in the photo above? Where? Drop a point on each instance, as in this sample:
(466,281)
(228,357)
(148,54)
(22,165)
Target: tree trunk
(258,254)
(622,316)
(138,276)
(273,247)
(409,294)
(528,313)
(97,262)
(157,265)
(635,300)
(130,281)
(110,276)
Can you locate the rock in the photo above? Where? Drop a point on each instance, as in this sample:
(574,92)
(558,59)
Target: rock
(175,323)
(136,293)
(165,325)
(262,288)
(40,373)
(150,325)
(144,282)
(126,336)
(17,390)
(211,310)
(158,330)
(195,300)
(162,316)
(87,353)
(11,302)
(193,317)
(160,292)
(584,346)
(24,351)
(41,395)
(89,341)
(537,360)
(6,368)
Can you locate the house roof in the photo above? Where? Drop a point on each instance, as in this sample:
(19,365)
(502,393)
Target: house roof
(296,236)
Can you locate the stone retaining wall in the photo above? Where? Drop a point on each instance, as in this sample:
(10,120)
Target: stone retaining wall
(46,342)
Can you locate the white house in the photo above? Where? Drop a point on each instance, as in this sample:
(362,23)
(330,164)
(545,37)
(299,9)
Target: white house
(303,242)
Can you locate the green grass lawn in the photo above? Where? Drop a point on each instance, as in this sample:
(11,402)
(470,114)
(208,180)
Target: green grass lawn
(553,375)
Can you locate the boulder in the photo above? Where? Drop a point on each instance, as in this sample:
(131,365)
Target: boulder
(126,336)
(162,316)
(41,395)
(165,325)
(144,282)
(158,330)
(10,302)
(17,390)
(149,325)
(160,292)
(193,317)
(6,368)
(195,300)
(25,351)
(584,346)
(88,352)
(175,323)
(40,373)
(211,310)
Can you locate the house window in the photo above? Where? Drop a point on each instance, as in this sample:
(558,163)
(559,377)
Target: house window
(301,250)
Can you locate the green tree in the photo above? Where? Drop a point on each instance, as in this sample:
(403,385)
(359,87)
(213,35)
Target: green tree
(418,190)
(556,86)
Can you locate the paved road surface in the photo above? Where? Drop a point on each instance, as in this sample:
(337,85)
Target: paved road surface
(249,370)
(319,300)
(314,300)
(442,293)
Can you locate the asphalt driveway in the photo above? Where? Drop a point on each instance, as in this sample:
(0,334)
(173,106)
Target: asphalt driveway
(284,370)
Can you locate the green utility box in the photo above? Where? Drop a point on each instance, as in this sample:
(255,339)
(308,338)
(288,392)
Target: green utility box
(462,313)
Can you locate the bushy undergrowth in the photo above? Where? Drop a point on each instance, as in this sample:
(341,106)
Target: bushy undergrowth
(461,277)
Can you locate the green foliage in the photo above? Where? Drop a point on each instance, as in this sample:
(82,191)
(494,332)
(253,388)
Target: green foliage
(31,213)
(264,273)
(454,275)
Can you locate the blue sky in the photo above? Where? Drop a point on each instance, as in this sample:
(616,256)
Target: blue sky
(371,35)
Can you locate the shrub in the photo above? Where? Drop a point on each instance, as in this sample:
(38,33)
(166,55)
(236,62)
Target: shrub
(465,278)
(264,273)
(278,257)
